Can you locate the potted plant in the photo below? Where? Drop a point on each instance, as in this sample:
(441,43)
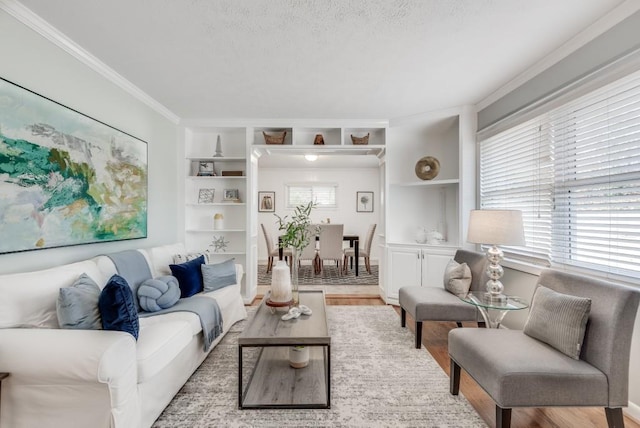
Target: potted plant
(296,235)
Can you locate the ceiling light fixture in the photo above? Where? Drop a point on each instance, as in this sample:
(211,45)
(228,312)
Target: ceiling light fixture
(311,158)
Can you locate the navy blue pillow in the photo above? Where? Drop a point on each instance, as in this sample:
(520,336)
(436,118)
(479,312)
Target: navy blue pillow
(189,276)
(118,307)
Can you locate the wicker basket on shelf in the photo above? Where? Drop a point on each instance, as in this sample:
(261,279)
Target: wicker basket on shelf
(360,140)
(276,138)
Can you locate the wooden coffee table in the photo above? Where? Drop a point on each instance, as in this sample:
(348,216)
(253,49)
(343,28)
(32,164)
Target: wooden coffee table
(273,383)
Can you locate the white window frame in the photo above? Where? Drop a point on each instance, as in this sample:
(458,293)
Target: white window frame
(315,188)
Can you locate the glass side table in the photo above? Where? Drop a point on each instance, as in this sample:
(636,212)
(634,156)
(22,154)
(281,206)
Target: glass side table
(492,310)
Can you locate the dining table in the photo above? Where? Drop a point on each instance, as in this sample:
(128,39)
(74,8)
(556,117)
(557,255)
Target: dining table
(354,242)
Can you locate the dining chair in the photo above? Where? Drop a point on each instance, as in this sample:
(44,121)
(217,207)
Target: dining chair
(272,249)
(331,237)
(350,253)
(310,252)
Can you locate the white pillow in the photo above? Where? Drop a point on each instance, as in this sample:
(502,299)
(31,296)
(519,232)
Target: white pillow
(183,258)
(457,278)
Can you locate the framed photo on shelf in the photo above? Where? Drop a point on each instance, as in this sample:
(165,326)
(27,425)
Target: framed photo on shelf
(205,196)
(231,195)
(266,202)
(205,169)
(364,202)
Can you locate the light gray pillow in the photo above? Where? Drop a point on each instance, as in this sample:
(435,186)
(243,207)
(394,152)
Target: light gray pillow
(77,305)
(559,320)
(218,275)
(457,278)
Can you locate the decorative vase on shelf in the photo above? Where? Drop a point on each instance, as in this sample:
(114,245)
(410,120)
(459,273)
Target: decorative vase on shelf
(421,235)
(298,357)
(434,237)
(218,148)
(218,221)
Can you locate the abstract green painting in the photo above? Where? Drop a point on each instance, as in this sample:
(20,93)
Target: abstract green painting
(65,178)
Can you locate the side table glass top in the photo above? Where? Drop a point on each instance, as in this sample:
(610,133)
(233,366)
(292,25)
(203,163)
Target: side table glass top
(481,299)
(493,310)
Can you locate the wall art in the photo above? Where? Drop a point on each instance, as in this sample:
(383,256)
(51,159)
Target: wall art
(364,202)
(66,178)
(266,202)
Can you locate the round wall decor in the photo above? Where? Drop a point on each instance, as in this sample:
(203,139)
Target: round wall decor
(427,168)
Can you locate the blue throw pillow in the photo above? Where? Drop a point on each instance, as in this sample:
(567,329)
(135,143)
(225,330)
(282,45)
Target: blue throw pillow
(218,275)
(189,276)
(77,306)
(118,307)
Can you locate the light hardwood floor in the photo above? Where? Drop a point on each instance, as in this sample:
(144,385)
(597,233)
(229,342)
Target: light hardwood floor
(434,337)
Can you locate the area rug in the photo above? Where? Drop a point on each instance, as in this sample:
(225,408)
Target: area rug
(378,379)
(330,276)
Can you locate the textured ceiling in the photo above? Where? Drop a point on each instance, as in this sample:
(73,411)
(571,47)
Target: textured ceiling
(373,59)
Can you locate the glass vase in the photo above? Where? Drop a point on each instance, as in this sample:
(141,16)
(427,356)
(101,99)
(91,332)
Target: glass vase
(295,262)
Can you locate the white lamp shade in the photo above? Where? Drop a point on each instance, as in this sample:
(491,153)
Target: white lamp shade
(496,227)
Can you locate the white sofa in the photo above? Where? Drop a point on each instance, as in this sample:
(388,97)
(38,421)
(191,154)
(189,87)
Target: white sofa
(96,378)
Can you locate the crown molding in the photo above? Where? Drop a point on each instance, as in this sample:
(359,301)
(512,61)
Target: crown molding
(39,25)
(606,22)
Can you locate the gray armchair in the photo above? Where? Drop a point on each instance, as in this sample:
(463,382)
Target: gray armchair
(517,370)
(434,303)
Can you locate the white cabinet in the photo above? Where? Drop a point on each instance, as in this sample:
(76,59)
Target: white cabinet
(415,266)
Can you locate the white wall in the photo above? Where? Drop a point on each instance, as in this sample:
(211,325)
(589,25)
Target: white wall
(350,181)
(522,284)
(33,62)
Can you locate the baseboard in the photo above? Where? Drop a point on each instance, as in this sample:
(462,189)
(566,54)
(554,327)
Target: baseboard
(633,411)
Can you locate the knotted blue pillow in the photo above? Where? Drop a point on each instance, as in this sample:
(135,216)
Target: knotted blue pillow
(159,293)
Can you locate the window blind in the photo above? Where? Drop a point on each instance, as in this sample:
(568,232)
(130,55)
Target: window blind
(515,173)
(574,171)
(324,195)
(596,219)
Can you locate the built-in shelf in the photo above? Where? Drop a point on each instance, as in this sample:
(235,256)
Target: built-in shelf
(376,150)
(428,183)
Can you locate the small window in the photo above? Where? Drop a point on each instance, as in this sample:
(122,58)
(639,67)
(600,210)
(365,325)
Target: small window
(323,194)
